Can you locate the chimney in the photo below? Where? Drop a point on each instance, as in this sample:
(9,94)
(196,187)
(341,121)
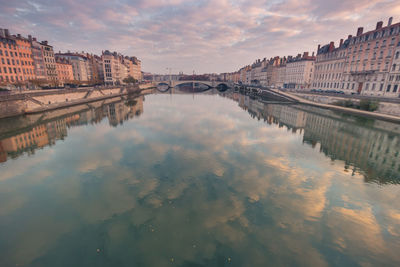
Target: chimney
(30,37)
(360,31)
(390,21)
(2,33)
(379,25)
(319,46)
(341,43)
(305,54)
(34,39)
(313,54)
(349,37)
(331,46)
(6,33)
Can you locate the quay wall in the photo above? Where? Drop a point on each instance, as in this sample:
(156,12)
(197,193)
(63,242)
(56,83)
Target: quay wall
(41,100)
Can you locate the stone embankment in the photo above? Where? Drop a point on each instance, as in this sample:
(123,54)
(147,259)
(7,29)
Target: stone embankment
(388,110)
(39,101)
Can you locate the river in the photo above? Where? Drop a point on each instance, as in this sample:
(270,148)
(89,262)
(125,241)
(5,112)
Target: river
(202,179)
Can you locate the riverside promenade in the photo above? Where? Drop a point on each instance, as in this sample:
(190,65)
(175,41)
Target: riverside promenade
(382,116)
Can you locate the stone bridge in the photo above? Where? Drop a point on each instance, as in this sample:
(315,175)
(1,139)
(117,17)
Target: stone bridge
(211,84)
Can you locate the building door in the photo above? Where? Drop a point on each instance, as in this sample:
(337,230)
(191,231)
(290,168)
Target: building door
(360,85)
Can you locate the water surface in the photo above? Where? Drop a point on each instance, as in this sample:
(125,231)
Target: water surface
(198,180)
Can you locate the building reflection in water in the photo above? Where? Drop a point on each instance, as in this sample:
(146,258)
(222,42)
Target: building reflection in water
(33,133)
(366,146)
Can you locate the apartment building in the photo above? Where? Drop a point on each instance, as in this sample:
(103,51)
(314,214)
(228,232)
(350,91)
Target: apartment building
(299,71)
(369,68)
(330,64)
(112,68)
(64,70)
(259,71)
(135,68)
(80,66)
(272,71)
(393,82)
(243,73)
(49,61)
(16,60)
(40,67)
(281,80)
(8,59)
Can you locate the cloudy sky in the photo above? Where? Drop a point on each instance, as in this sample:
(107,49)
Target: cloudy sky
(186,35)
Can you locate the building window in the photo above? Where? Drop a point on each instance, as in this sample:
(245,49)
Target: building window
(388,88)
(395,88)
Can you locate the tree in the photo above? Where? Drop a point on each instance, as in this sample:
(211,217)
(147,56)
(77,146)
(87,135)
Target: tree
(129,80)
(38,82)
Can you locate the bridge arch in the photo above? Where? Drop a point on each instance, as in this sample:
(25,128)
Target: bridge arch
(222,86)
(162,86)
(210,84)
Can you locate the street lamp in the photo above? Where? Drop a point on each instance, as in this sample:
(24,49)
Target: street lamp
(169,69)
(193,80)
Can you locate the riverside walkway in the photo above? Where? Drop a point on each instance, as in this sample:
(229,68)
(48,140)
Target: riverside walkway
(381,116)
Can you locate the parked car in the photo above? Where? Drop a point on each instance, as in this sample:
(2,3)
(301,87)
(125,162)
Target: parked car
(4,91)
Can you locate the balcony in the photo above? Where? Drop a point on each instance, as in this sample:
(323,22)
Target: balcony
(362,72)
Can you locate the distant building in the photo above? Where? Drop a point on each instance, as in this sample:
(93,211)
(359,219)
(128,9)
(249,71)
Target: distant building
(112,68)
(38,59)
(272,71)
(117,67)
(329,66)
(65,73)
(80,66)
(281,80)
(299,72)
(135,68)
(49,61)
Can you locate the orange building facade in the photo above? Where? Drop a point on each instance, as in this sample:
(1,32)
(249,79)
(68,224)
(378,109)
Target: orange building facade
(16,61)
(26,67)
(64,71)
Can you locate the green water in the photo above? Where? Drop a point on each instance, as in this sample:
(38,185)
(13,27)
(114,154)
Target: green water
(198,180)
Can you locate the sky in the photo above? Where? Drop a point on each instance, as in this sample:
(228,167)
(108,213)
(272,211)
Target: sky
(205,36)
